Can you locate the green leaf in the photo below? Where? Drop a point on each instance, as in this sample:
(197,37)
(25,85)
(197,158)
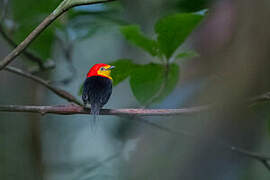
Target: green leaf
(173,77)
(187,55)
(192,5)
(173,30)
(41,46)
(27,14)
(133,34)
(123,68)
(149,83)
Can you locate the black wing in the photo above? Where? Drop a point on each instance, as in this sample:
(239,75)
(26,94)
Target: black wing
(97,90)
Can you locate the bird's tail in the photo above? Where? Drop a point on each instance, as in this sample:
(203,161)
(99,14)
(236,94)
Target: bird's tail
(95,112)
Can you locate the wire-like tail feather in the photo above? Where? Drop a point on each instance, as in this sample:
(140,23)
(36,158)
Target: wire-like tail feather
(95,112)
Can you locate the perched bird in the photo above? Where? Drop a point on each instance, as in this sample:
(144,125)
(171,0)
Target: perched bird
(97,87)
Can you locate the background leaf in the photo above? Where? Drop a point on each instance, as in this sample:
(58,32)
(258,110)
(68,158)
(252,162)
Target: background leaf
(192,5)
(133,34)
(27,15)
(147,80)
(173,77)
(123,68)
(187,55)
(173,30)
(85,21)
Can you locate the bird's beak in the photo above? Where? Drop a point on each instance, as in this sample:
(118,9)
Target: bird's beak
(112,67)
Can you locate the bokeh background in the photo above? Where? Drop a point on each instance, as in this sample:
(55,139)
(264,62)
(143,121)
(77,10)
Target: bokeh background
(233,42)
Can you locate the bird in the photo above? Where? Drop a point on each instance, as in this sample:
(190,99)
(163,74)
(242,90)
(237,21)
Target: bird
(97,87)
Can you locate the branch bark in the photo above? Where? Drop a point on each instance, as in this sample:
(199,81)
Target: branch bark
(62,93)
(63,7)
(71,109)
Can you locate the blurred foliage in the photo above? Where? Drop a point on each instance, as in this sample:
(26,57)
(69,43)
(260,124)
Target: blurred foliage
(192,5)
(146,80)
(187,55)
(133,34)
(150,83)
(84,21)
(27,15)
(173,30)
(123,70)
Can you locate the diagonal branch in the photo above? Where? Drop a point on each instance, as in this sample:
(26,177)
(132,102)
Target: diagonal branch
(63,7)
(62,93)
(264,159)
(260,157)
(259,99)
(27,54)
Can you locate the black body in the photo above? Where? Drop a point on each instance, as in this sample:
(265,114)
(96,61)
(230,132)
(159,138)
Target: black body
(96,92)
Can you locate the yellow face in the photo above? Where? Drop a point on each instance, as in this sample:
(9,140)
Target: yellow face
(105,71)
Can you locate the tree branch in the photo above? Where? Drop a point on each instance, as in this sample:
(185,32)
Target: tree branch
(71,109)
(62,93)
(260,98)
(27,54)
(63,7)
(259,157)
(74,109)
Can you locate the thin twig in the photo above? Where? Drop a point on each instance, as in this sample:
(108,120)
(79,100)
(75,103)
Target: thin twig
(71,109)
(84,170)
(27,54)
(266,164)
(62,93)
(264,159)
(258,99)
(63,7)
(250,154)
(48,65)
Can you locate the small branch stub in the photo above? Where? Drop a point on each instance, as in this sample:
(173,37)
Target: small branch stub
(61,93)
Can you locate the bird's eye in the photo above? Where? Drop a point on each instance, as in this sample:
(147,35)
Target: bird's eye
(102,68)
